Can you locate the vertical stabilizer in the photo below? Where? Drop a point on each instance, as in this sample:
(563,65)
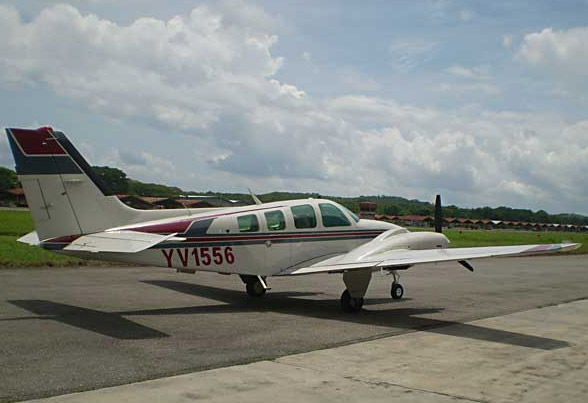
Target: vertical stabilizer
(64,195)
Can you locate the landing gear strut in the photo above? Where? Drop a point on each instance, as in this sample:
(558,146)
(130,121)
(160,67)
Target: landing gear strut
(396,291)
(255,285)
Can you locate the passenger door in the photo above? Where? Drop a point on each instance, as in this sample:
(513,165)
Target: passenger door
(278,240)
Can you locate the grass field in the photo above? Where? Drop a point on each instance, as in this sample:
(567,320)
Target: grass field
(470,238)
(14,224)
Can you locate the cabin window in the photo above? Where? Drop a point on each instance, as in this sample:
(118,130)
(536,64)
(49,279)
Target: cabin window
(304,216)
(332,216)
(275,220)
(248,223)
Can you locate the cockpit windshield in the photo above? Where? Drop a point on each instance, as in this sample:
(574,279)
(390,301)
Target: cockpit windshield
(351,213)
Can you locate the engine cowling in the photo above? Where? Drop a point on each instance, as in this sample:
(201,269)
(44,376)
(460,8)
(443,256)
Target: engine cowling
(400,238)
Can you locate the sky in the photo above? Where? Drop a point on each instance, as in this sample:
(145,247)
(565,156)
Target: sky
(483,102)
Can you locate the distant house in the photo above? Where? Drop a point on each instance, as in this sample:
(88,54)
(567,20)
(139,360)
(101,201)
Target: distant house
(416,220)
(136,202)
(13,197)
(210,201)
(193,203)
(181,202)
(367,209)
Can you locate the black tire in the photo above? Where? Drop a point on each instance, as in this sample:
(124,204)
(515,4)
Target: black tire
(255,289)
(350,304)
(397,291)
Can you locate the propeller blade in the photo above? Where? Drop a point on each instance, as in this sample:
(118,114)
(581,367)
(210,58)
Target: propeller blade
(438,215)
(466,264)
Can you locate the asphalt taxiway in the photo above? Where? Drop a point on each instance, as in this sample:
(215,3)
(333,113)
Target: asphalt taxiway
(69,330)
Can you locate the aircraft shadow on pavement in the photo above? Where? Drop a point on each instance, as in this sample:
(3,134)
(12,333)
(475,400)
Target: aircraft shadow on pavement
(105,323)
(288,303)
(116,325)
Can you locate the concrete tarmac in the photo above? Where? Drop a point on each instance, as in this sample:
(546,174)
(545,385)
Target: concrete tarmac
(68,330)
(416,367)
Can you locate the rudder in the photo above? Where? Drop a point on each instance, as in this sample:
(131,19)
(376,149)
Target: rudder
(64,195)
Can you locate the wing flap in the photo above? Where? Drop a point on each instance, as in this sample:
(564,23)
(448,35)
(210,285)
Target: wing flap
(117,241)
(403,257)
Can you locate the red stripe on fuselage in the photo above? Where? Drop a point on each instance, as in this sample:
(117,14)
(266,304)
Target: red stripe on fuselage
(270,237)
(37,142)
(266,236)
(182,226)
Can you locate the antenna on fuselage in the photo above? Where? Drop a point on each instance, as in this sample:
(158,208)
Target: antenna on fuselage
(255,198)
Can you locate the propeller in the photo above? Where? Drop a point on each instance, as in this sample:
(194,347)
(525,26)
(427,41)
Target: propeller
(439,229)
(438,215)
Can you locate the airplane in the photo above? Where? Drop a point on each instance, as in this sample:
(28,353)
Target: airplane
(74,216)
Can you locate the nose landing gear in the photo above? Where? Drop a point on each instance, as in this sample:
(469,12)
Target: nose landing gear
(397,290)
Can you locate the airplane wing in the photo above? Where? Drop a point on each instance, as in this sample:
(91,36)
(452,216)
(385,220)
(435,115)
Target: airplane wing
(118,241)
(405,257)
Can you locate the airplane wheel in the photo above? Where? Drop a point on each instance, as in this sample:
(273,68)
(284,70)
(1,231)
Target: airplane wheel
(350,304)
(397,291)
(255,289)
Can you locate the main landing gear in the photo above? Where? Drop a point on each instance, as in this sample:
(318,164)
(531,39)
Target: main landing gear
(356,283)
(396,291)
(350,304)
(255,286)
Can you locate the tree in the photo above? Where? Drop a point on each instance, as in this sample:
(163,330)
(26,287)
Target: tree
(114,179)
(152,189)
(8,179)
(392,209)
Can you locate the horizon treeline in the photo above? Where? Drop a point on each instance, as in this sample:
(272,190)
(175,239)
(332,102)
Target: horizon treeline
(116,181)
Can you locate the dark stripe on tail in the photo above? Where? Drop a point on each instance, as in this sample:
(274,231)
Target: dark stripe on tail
(82,163)
(38,152)
(47,152)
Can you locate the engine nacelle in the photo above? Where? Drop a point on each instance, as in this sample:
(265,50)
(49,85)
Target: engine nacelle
(400,238)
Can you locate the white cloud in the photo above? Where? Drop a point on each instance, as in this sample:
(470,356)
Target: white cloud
(356,82)
(466,15)
(488,88)
(138,164)
(408,54)
(207,82)
(563,52)
(475,73)
(184,71)
(507,41)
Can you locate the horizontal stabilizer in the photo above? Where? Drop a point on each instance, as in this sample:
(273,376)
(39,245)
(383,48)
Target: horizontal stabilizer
(32,238)
(118,241)
(404,257)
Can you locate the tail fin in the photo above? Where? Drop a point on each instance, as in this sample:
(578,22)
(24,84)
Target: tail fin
(63,193)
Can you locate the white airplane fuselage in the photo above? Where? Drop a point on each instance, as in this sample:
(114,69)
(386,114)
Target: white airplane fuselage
(214,241)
